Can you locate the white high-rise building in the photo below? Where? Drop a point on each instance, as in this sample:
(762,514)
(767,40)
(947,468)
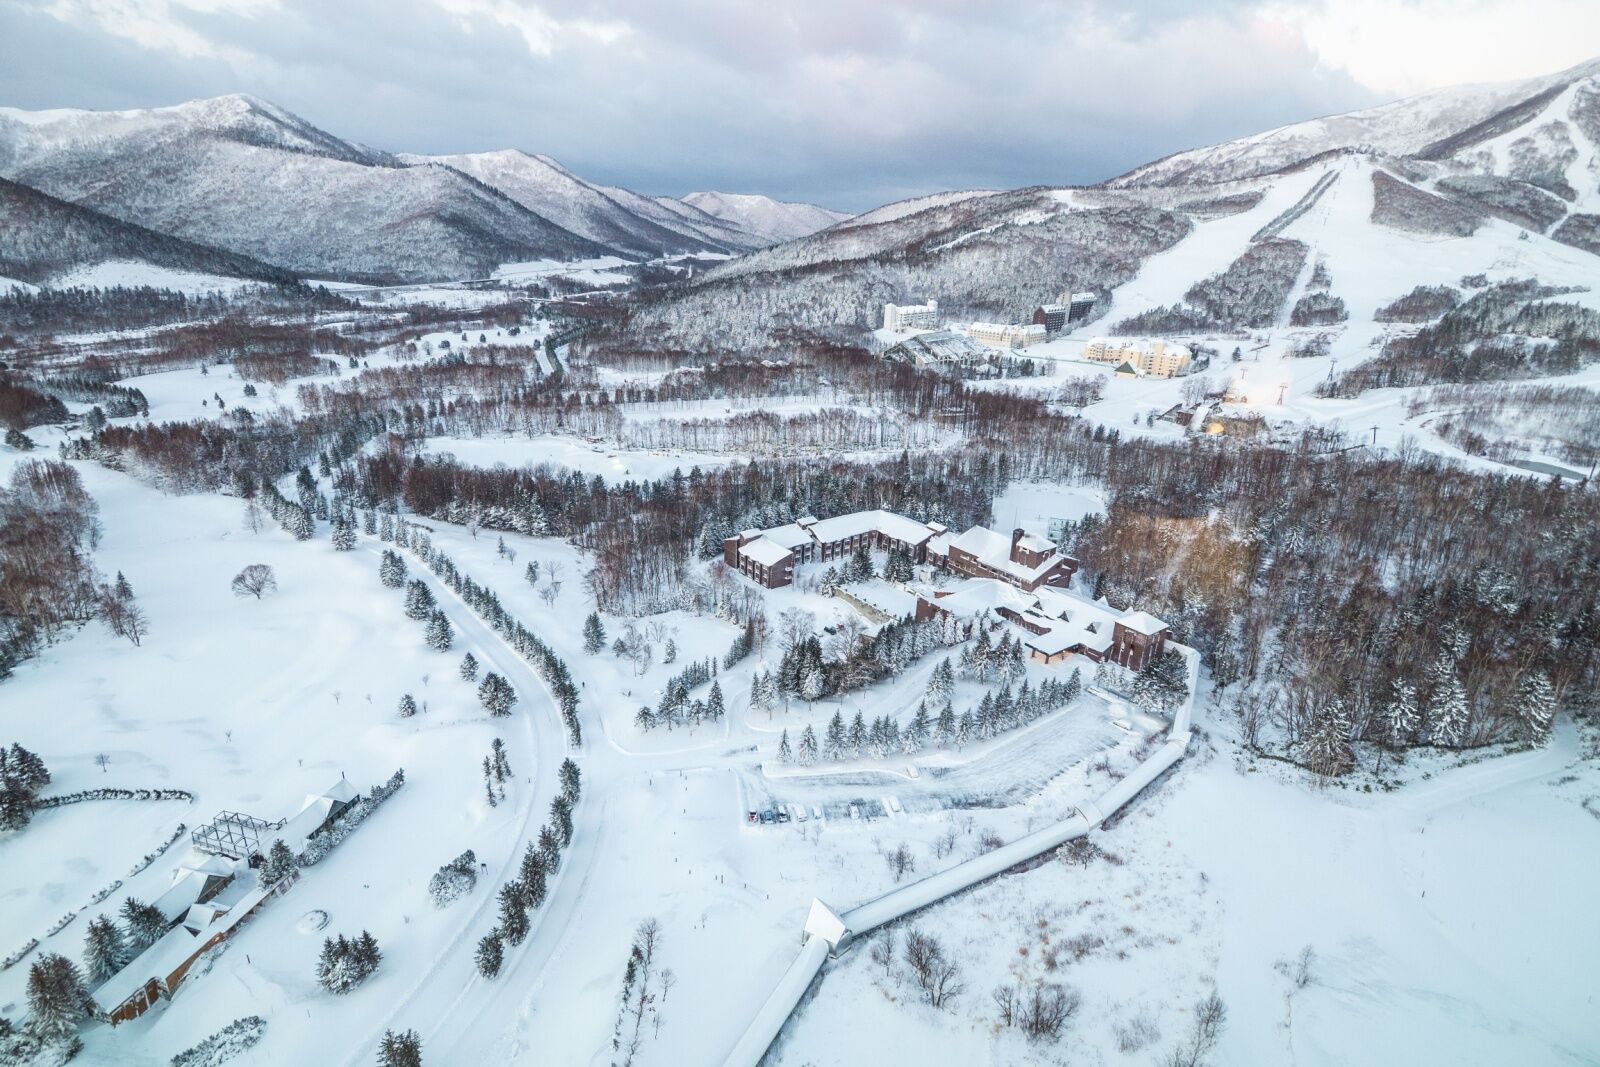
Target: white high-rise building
(911,316)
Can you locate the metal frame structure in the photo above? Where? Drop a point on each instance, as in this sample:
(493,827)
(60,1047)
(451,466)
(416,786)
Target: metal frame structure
(232,833)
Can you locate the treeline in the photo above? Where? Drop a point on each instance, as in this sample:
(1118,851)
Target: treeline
(90,310)
(1274,563)
(647,536)
(1505,332)
(1252,292)
(552,669)
(48,526)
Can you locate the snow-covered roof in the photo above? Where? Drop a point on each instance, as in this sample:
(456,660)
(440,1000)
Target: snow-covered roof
(1143,622)
(765,552)
(1051,309)
(977,595)
(993,549)
(1050,642)
(1080,298)
(1035,543)
(888,598)
(887,523)
(181,894)
(791,536)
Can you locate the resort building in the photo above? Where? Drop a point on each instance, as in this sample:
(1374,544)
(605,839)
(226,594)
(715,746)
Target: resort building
(1155,359)
(911,316)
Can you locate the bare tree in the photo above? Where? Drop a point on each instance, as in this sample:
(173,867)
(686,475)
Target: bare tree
(883,949)
(1041,1012)
(795,625)
(1210,1016)
(254,580)
(938,976)
(900,862)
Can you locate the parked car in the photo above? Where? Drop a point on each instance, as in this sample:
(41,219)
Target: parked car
(768,816)
(752,817)
(783,815)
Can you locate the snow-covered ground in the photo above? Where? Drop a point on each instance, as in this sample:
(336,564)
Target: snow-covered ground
(613,464)
(1415,904)
(132,273)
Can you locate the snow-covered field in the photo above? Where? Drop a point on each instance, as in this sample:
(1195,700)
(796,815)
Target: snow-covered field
(613,464)
(1416,906)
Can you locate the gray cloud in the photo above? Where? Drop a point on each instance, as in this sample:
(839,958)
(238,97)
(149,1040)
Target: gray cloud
(848,103)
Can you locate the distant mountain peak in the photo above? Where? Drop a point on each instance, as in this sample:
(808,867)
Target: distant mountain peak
(777,220)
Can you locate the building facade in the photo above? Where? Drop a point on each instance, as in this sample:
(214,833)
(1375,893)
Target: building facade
(911,316)
(1007,335)
(1024,560)
(1156,359)
(1053,317)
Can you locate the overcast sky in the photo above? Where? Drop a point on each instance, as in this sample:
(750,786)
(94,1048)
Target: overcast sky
(848,103)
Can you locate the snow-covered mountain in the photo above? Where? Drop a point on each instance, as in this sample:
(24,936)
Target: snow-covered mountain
(249,177)
(1499,180)
(625,222)
(1425,125)
(49,241)
(777,220)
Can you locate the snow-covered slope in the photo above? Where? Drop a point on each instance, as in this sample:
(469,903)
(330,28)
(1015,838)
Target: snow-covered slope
(777,220)
(551,191)
(1405,127)
(51,242)
(249,177)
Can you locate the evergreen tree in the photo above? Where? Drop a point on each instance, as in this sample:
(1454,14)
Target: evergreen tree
(469,668)
(966,729)
(808,748)
(1447,710)
(513,915)
(339,969)
(344,534)
(439,633)
(144,925)
(299,523)
(944,730)
(812,684)
(492,952)
(1400,715)
(550,849)
(1535,705)
(392,569)
(857,736)
(496,695)
(104,953)
(278,864)
(918,732)
(571,780)
(561,818)
(714,708)
(594,634)
(419,600)
(401,1050)
(57,999)
(834,741)
(364,952)
(532,879)
(785,754)
(408,706)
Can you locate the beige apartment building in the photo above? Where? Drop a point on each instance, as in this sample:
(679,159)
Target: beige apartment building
(1155,359)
